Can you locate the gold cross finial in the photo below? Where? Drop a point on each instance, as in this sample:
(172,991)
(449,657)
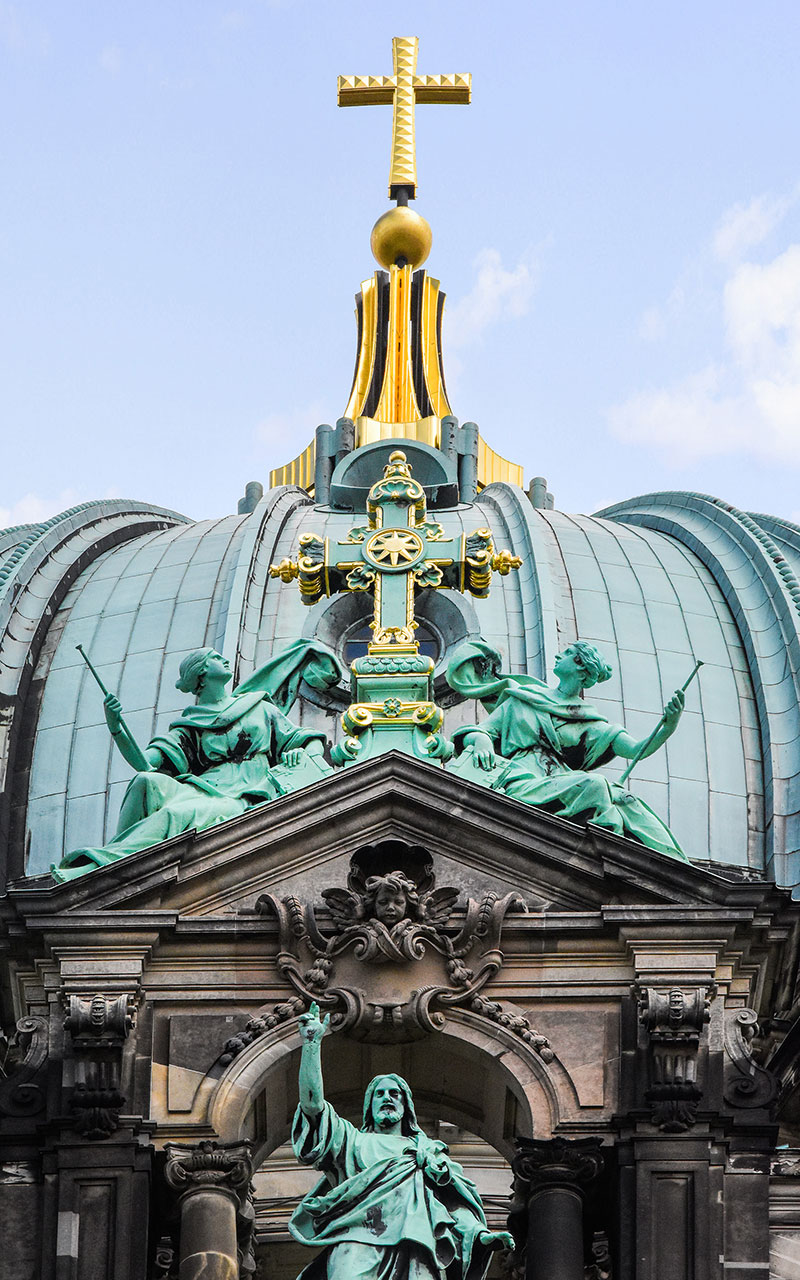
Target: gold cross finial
(403,90)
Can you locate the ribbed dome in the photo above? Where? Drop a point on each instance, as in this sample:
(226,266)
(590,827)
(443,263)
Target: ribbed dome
(655,583)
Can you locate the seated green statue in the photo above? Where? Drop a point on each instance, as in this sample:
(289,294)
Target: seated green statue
(392,1204)
(541,745)
(223,755)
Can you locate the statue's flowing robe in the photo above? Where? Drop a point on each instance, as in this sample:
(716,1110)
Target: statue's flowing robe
(388,1206)
(215,762)
(550,746)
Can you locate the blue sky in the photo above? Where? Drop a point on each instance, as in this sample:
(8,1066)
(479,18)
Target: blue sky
(186,219)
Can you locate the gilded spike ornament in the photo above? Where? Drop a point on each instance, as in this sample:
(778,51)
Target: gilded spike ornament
(404,89)
(397,551)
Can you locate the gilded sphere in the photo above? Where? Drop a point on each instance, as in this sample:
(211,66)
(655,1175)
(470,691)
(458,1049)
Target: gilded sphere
(401,233)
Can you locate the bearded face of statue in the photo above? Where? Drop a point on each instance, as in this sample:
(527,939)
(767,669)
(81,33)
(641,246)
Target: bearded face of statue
(388,1105)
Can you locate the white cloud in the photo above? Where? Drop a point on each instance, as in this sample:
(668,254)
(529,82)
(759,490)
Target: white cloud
(692,419)
(33,508)
(232,20)
(111,59)
(744,226)
(11,27)
(497,294)
(748,401)
(655,321)
(22,34)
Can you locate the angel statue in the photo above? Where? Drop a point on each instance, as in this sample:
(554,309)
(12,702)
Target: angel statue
(391,1204)
(542,745)
(219,757)
(389,917)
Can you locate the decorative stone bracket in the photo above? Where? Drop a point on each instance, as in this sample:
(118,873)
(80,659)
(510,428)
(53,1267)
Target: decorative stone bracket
(674,1021)
(99,1026)
(22,1055)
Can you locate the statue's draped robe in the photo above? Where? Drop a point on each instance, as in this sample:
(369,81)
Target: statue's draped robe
(549,746)
(382,1211)
(215,762)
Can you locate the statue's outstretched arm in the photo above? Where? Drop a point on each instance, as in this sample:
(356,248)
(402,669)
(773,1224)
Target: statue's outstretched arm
(497,1239)
(633,749)
(311,1091)
(129,748)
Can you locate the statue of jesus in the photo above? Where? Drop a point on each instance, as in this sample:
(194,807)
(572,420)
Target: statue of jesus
(392,1205)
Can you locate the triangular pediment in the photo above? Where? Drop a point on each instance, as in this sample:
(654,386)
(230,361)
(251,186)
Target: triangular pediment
(479,840)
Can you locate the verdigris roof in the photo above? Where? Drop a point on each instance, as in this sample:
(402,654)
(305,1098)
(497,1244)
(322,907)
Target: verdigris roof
(656,583)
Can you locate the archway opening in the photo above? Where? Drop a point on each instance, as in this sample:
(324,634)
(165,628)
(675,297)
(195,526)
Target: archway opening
(464,1095)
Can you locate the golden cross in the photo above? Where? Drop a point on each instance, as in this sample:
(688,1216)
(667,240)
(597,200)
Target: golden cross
(403,90)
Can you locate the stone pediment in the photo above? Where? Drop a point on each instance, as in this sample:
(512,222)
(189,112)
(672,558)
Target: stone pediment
(301,844)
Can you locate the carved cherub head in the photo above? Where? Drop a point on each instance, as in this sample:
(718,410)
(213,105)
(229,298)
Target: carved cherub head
(391,898)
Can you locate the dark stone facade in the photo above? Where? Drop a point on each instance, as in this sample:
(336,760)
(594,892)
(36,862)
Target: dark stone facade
(629,1050)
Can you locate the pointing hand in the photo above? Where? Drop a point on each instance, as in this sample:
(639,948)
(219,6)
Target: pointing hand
(311,1029)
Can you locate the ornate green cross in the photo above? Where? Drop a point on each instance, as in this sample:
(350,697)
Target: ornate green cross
(398,551)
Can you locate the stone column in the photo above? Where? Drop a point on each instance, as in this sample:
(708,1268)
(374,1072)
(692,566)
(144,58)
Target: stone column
(212,1181)
(550,1181)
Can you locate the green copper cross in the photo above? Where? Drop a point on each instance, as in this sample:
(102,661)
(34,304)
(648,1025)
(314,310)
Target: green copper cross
(398,551)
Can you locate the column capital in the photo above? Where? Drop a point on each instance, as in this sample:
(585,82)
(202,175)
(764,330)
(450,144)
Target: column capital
(209,1166)
(557,1162)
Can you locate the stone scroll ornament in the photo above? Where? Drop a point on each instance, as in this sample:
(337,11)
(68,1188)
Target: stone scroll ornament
(217,1177)
(22,1057)
(420,966)
(746,1084)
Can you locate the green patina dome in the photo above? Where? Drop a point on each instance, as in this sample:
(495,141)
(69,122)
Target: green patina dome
(655,583)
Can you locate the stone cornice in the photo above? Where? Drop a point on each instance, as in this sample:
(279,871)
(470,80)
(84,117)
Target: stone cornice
(556,864)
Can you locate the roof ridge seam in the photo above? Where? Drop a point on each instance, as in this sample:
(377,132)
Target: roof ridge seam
(39,530)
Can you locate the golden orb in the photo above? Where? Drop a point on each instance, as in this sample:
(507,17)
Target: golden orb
(401,233)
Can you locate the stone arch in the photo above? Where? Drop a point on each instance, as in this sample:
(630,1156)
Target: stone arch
(472,1074)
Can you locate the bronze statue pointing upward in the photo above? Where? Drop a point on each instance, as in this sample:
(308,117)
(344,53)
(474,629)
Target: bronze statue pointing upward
(392,1204)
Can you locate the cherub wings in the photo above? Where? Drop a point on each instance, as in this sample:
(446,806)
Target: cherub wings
(345,907)
(435,907)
